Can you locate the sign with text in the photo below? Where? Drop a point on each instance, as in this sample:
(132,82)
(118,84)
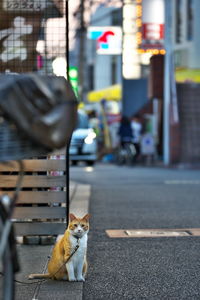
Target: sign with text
(25,5)
(152,24)
(18,38)
(153,31)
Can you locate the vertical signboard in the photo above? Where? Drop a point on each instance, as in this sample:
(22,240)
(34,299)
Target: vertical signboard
(19,29)
(131,68)
(153,20)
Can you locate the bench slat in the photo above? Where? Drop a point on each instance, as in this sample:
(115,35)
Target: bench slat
(33,197)
(33,181)
(39,212)
(35,165)
(39,228)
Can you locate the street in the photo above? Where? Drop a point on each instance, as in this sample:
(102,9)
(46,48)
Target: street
(141,198)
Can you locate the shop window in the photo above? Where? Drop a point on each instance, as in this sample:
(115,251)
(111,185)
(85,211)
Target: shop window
(90,77)
(190,19)
(114,69)
(178,28)
(116,17)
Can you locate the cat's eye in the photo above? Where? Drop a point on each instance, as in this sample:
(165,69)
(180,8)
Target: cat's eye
(82,225)
(75,225)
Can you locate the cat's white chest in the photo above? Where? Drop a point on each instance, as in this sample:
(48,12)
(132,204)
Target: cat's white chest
(80,253)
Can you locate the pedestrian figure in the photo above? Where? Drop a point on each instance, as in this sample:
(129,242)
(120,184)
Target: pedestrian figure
(137,133)
(125,131)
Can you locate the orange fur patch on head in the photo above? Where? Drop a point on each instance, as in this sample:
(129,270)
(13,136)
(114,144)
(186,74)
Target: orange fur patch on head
(85,222)
(72,217)
(72,226)
(86,217)
(75,221)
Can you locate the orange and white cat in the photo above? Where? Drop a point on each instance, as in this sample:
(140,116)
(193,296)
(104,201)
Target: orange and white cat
(75,269)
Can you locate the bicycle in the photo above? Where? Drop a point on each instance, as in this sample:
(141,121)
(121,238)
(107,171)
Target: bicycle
(125,154)
(34,110)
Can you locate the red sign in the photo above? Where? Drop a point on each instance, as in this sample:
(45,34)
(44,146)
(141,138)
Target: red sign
(153,20)
(151,31)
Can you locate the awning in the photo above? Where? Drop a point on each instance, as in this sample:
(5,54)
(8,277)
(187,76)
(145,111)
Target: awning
(187,75)
(110,93)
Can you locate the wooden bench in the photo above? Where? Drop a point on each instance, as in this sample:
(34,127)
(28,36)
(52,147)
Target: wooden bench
(41,205)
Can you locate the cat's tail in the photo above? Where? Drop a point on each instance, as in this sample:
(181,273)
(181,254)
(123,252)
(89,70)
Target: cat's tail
(39,276)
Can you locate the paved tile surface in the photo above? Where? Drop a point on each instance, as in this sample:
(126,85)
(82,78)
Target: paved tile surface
(32,260)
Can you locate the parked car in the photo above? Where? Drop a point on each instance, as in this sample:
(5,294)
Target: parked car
(83,146)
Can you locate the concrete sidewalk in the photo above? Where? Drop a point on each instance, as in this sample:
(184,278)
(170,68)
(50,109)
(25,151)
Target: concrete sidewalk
(33,259)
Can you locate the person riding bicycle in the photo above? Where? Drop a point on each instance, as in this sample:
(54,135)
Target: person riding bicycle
(125,131)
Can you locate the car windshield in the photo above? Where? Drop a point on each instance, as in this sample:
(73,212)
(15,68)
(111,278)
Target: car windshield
(83,121)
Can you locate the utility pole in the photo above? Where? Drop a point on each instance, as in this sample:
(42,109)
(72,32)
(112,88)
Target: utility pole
(67,35)
(167,72)
(81,61)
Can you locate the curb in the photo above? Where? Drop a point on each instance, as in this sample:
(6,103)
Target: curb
(79,204)
(79,201)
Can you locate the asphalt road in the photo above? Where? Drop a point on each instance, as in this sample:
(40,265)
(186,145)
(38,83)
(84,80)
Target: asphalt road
(142,198)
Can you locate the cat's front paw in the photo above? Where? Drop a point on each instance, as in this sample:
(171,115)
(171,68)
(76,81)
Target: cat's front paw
(81,278)
(72,279)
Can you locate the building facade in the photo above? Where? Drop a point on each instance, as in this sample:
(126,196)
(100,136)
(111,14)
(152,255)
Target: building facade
(186,38)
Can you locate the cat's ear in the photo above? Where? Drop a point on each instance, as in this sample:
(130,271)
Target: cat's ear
(72,217)
(86,217)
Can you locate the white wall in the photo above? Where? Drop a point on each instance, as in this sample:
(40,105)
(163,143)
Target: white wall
(187,52)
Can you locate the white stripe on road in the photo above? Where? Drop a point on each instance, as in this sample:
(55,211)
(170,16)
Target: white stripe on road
(182,181)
